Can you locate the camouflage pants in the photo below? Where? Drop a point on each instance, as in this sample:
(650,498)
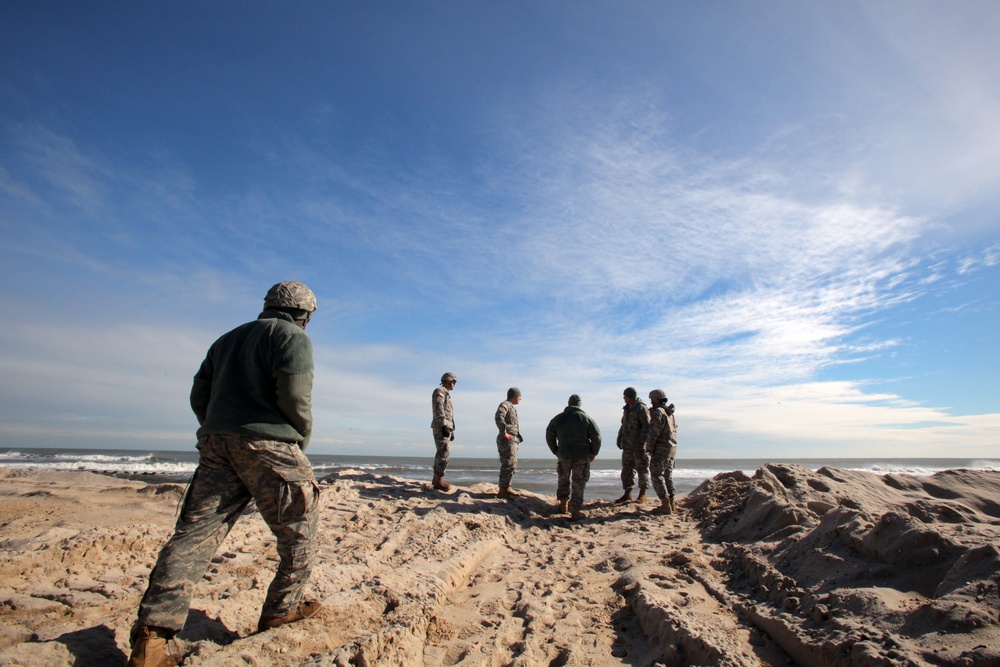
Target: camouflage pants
(443,445)
(508,460)
(635,460)
(231,471)
(661,468)
(573,476)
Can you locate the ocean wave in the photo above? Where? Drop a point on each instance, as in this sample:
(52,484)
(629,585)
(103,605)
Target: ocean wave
(108,465)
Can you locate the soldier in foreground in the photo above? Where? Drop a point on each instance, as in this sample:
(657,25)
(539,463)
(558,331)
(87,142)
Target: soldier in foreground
(632,442)
(575,440)
(252,398)
(507,439)
(662,446)
(443,426)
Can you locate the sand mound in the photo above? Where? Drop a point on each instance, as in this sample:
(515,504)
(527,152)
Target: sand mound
(850,568)
(787,567)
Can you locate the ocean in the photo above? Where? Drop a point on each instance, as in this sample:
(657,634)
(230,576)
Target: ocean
(535,475)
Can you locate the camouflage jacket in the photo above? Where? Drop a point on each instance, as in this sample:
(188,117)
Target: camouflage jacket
(662,429)
(506,420)
(635,424)
(444,414)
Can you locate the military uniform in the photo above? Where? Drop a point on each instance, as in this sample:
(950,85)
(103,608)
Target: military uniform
(443,425)
(632,441)
(662,445)
(574,438)
(506,421)
(252,398)
(232,471)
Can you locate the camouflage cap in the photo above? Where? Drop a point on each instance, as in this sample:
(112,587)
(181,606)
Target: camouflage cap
(290,294)
(513,392)
(657,395)
(448,377)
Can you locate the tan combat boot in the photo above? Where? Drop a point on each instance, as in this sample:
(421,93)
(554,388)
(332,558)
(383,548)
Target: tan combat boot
(149,649)
(563,506)
(440,484)
(306,609)
(666,506)
(626,497)
(642,495)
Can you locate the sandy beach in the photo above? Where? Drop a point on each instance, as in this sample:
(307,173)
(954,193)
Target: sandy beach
(785,567)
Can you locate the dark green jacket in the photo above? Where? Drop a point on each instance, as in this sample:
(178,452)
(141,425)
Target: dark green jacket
(257,380)
(572,434)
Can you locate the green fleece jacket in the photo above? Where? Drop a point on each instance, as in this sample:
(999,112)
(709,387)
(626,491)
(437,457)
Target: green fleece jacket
(257,380)
(572,434)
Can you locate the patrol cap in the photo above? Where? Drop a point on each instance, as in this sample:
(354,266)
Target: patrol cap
(657,395)
(290,294)
(574,399)
(449,377)
(630,392)
(513,392)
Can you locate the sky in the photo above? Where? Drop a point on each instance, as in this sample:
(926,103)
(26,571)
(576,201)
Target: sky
(786,215)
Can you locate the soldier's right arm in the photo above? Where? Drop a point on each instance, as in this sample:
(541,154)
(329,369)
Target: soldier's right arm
(294,395)
(292,371)
(595,437)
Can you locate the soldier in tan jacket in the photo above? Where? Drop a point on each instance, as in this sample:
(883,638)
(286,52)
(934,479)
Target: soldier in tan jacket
(508,439)
(443,426)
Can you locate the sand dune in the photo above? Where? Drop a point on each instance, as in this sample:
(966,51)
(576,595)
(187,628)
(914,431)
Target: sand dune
(788,567)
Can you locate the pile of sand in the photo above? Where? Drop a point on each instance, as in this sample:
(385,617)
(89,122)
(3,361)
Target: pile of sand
(850,568)
(788,567)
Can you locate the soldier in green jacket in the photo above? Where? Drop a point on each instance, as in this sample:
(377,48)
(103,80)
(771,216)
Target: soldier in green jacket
(575,440)
(252,398)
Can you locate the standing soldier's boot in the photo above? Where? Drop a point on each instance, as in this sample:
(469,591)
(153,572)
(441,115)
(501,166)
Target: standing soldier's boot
(626,497)
(503,493)
(563,506)
(440,484)
(666,506)
(575,515)
(673,506)
(306,609)
(149,649)
(642,495)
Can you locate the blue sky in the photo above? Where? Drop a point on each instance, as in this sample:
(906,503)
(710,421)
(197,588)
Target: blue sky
(784,214)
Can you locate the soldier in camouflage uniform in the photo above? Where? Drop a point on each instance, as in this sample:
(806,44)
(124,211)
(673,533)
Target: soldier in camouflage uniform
(632,442)
(662,445)
(443,426)
(252,398)
(575,440)
(508,439)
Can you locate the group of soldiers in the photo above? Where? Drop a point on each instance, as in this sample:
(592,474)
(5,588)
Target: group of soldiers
(647,438)
(252,397)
